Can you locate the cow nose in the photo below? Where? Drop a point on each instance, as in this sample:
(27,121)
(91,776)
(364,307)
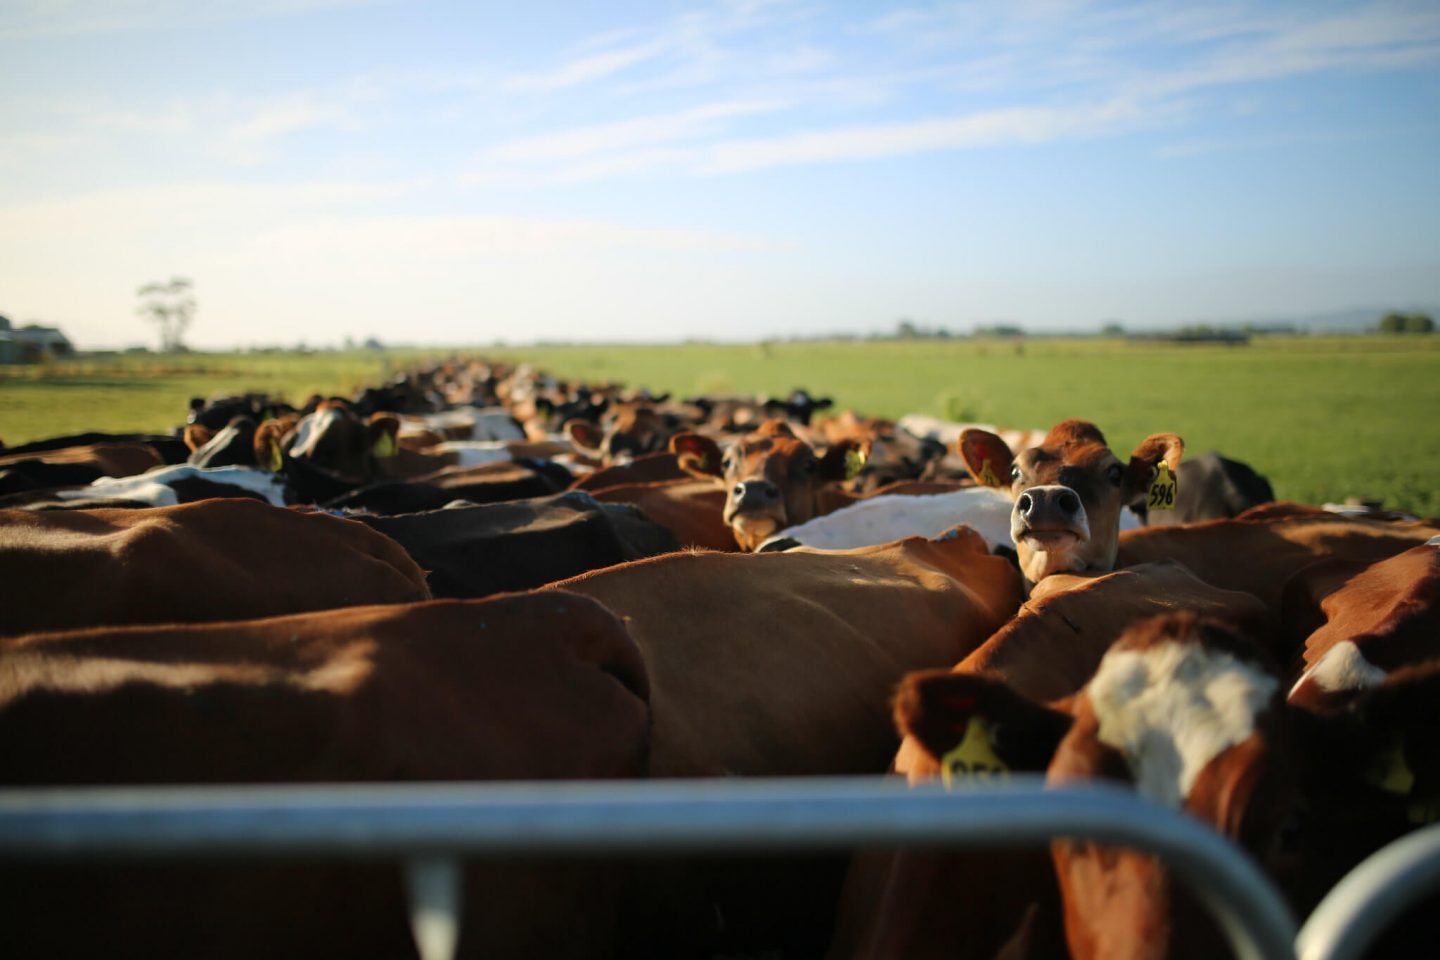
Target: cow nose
(1038,501)
(750,493)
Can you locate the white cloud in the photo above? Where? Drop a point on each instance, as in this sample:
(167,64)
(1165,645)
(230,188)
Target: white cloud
(638,131)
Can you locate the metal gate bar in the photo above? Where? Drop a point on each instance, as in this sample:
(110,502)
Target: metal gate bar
(1363,904)
(430,824)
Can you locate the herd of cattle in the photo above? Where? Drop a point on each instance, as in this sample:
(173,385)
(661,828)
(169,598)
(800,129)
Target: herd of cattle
(481,572)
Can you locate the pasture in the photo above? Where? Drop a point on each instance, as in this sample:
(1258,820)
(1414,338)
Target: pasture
(1322,417)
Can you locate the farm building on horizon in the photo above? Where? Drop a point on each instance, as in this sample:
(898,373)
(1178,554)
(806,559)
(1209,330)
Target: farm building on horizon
(32,343)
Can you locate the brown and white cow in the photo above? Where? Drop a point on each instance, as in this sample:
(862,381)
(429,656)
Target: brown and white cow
(925,903)
(772,479)
(1068,492)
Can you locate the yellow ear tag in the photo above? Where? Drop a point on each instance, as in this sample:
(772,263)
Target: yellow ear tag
(385,446)
(973,759)
(854,463)
(1162,488)
(1391,773)
(277,460)
(987,476)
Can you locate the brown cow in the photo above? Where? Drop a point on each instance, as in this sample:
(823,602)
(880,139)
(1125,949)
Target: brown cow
(771,478)
(690,509)
(781,664)
(523,687)
(210,560)
(1263,548)
(1068,492)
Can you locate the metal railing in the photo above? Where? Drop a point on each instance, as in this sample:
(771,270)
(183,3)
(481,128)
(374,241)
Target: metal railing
(1371,897)
(431,827)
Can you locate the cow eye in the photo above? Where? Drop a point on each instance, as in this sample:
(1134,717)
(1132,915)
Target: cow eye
(727,463)
(1116,474)
(1014,473)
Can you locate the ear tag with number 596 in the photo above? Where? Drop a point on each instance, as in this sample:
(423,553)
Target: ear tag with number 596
(973,759)
(1162,488)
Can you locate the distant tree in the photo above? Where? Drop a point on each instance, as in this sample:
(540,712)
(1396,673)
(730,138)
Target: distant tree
(907,330)
(171,307)
(1112,329)
(1397,322)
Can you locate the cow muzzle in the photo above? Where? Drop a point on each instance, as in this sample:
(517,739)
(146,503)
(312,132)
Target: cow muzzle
(1049,526)
(754,510)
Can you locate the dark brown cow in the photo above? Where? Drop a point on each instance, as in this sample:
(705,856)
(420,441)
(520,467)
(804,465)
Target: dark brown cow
(476,550)
(782,665)
(206,561)
(1068,492)
(772,479)
(524,687)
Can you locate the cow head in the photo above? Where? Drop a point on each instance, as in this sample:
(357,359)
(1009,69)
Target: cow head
(1188,711)
(1068,492)
(627,431)
(772,478)
(333,441)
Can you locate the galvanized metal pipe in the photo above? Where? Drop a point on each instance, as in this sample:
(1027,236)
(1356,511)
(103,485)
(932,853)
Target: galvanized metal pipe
(1371,896)
(406,821)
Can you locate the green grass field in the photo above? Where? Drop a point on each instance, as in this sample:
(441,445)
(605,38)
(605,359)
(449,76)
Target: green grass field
(1322,417)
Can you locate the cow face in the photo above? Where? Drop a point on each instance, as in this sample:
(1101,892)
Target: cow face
(333,440)
(771,478)
(1068,492)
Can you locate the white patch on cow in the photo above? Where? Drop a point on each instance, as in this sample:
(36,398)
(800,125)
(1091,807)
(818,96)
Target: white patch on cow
(310,429)
(891,517)
(1433,542)
(494,423)
(139,489)
(152,488)
(1173,708)
(1343,667)
(475,453)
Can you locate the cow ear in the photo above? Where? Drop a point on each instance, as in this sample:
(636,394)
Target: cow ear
(196,436)
(987,457)
(844,460)
(824,403)
(585,436)
(1155,449)
(949,713)
(381,433)
(268,452)
(698,455)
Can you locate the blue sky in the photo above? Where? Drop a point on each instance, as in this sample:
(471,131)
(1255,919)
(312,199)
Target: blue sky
(458,172)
